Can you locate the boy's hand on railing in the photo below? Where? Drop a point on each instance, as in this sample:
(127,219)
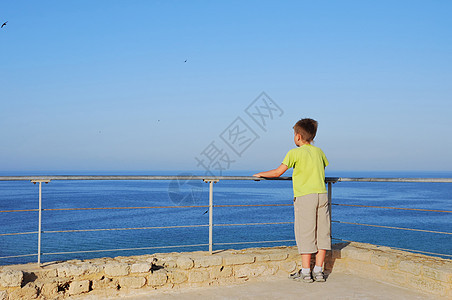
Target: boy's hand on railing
(273,173)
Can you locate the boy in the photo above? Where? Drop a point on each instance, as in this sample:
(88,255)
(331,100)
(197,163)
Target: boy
(312,217)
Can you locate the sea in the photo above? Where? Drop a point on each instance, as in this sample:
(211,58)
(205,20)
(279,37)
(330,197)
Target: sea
(158,226)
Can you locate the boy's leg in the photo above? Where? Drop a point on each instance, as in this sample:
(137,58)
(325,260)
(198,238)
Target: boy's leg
(323,223)
(317,272)
(320,258)
(305,272)
(323,236)
(306,261)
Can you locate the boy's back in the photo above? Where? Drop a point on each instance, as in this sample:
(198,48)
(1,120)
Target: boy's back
(308,163)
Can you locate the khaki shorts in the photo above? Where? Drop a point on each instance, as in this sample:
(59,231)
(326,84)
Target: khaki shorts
(312,223)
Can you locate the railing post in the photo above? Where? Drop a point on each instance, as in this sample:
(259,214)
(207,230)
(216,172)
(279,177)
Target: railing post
(211,182)
(330,196)
(40,216)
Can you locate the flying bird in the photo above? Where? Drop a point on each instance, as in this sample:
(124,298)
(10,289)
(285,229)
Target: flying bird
(185,60)
(4,24)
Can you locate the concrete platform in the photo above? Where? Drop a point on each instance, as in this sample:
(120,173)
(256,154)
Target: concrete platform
(338,286)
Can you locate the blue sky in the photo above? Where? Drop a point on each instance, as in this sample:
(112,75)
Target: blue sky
(103,85)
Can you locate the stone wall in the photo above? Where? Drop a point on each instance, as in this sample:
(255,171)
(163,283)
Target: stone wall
(423,273)
(106,277)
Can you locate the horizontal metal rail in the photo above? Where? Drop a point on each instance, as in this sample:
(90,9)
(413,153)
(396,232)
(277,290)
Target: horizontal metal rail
(389,207)
(206,178)
(247,205)
(18,210)
(16,256)
(131,228)
(19,233)
(368,179)
(123,207)
(103,208)
(254,224)
(140,177)
(391,227)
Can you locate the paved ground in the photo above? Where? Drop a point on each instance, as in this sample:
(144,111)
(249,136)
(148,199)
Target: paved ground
(338,286)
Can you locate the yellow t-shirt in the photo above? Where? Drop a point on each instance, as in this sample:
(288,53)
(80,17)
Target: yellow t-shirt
(308,163)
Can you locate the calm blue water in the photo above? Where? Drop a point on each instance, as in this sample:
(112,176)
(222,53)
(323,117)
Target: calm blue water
(83,194)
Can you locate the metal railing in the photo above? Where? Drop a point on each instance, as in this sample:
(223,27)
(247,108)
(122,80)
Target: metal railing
(210,180)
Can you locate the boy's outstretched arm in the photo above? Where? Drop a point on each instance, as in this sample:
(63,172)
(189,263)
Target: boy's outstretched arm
(273,173)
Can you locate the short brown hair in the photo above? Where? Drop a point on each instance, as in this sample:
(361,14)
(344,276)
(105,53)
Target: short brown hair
(307,128)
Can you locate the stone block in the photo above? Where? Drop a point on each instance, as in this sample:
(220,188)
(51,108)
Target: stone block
(11,278)
(198,276)
(79,287)
(29,291)
(207,261)
(157,278)
(271,268)
(393,261)
(168,262)
(288,266)
(184,262)
(171,264)
(242,271)
(293,255)
(177,277)
(49,290)
(131,282)
(438,272)
(70,270)
(379,259)
(278,255)
(3,295)
(221,272)
(141,267)
(92,268)
(238,259)
(105,284)
(249,271)
(356,253)
(44,273)
(262,257)
(117,269)
(410,266)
